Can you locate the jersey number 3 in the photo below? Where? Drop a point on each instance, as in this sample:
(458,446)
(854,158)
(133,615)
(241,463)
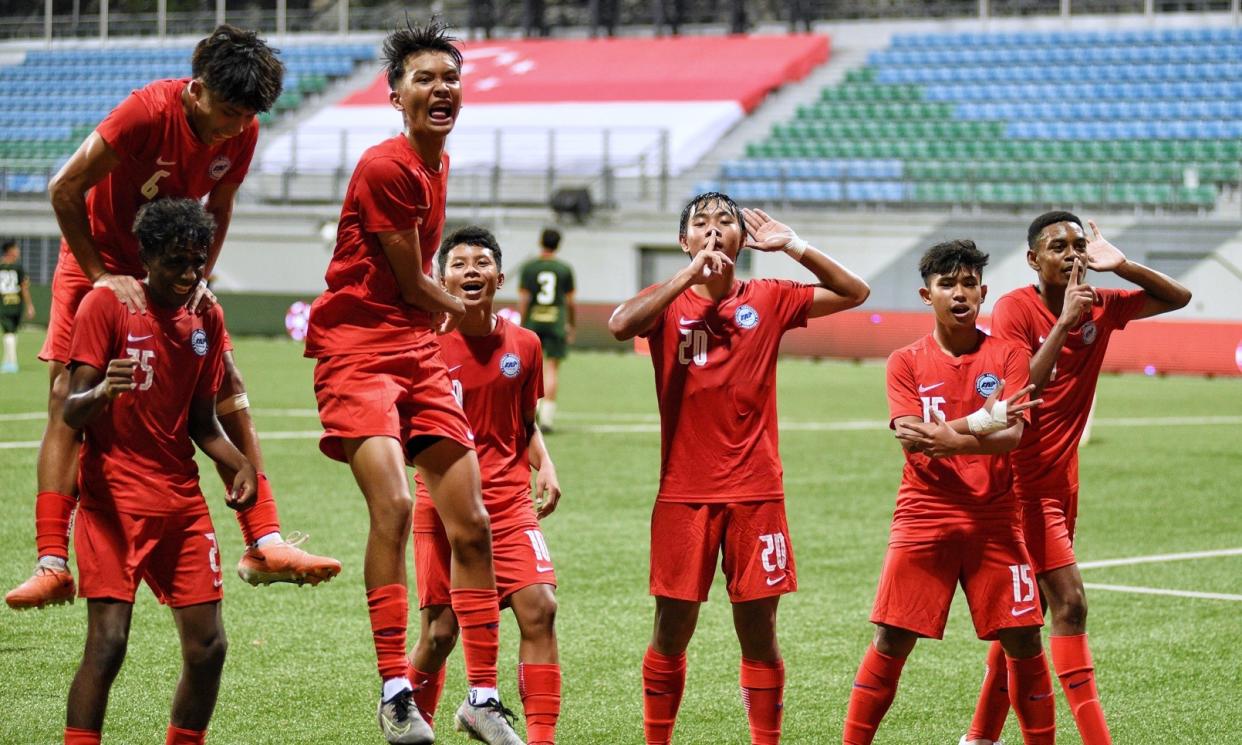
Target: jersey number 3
(547,288)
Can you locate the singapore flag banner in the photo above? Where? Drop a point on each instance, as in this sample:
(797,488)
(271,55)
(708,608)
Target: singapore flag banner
(638,104)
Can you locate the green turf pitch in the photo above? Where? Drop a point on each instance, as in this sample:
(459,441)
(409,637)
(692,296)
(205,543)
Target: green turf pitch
(301,667)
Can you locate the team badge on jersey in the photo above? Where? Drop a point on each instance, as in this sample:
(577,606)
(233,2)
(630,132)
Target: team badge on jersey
(219,167)
(198,342)
(1089,332)
(510,365)
(986,384)
(746,317)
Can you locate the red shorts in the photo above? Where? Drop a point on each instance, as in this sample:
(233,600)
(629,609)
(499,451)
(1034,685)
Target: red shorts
(176,555)
(687,539)
(1048,522)
(401,395)
(519,554)
(918,580)
(69,287)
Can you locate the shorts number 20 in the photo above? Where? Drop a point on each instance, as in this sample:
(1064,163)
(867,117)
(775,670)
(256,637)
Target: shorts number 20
(775,555)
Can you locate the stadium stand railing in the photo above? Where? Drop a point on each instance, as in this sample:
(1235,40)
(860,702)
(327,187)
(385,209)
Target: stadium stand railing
(39,131)
(1142,119)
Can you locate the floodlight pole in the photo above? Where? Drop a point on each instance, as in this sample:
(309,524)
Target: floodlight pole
(1065,8)
(282,11)
(47,21)
(161,18)
(103,20)
(219,12)
(342,16)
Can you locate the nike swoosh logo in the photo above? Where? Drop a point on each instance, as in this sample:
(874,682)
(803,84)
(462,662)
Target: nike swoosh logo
(217,582)
(1080,683)
(689,321)
(774,580)
(131,337)
(455,367)
(542,570)
(1021,612)
(932,387)
(866,687)
(1040,696)
(162,162)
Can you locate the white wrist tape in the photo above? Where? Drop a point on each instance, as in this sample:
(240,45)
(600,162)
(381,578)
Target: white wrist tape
(796,247)
(983,422)
(232,404)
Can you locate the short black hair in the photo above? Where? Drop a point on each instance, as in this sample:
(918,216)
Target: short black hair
(1046,219)
(239,67)
(413,39)
(165,225)
(8,245)
(702,200)
(949,256)
(471,235)
(550,239)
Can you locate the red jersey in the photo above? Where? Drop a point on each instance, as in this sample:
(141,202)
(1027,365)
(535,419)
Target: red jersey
(160,158)
(963,491)
(497,379)
(391,191)
(1047,457)
(715,376)
(138,457)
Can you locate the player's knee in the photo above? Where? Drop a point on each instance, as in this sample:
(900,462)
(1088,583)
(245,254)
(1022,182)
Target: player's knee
(206,652)
(538,618)
(1022,643)
(893,641)
(472,535)
(106,650)
(392,514)
(441,639)
(1072,612)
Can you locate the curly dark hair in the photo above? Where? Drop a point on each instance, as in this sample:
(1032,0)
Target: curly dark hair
(430,37)
(239,67)
(1046,219)
(948,257)
(166,225)
(471,235)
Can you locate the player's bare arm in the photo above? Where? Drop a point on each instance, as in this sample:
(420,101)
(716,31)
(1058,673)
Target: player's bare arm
(523,302)
(638,314)
(93,160)
(939,440)
(547,492)
(26,299)
(220,207)
(1164,293)
(206,432)
(571,317)
(418,289)
(92,389)
(838,289)
(1079,297)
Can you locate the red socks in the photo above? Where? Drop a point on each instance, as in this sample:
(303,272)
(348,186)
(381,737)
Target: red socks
(540,688)
(427,689)
(664,681)
(478,616)
(75,736)
(1030,694)
(178,736)
(389,607)
(52,513)
(874,688)
(993,706)
(763,688)
(260,518)
(1072,659)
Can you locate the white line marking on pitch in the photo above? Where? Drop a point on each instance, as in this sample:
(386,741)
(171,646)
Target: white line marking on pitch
(1158,591)
(1160,558)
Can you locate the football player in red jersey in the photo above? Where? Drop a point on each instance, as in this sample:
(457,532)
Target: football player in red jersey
(143,392)
(191,138)
(955,506)
(385,397)
(497,373)
(1066,325)
(714,342)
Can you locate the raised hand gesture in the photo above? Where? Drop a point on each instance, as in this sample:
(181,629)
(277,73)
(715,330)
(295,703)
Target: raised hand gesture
(1013,409)
(1102,256)
(1079,297)
(118,378)
(766,234)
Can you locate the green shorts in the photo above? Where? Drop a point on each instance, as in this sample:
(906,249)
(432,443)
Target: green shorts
(9,322)
(555,345)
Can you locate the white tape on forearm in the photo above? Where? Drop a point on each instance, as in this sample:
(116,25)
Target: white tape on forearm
(984,422)
(796,247)
(232,404)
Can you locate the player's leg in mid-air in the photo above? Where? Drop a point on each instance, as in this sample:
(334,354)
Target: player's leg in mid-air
(268,556)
